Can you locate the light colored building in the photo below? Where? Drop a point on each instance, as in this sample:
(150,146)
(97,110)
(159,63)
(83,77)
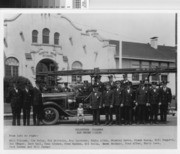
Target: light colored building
(50,42)
(150,55)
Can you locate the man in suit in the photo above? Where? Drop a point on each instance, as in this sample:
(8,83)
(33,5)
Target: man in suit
(154,101)
(128,103)
(27,102)
(15,97)
(165,100)
(118,93)
(37,105)
(142,102)
(108,100)
(95,104)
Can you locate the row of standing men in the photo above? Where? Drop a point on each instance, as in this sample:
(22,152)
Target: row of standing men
(138,106)
(24,99)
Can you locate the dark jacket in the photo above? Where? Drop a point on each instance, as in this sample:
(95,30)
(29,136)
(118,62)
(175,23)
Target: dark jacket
(108,98)
(15,98)
(37,97)
(127,97)
(95,100)
(100,86)
(27,98)
(125,83)
(66,89)
(113,85)
(165,96)
(142,96)
(118,94)
(154,96)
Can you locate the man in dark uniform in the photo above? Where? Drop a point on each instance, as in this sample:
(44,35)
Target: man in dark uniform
(127,103)
(37,105)
(125,81)
(99,83)
(108,100)
(118,93)
(154,101)
(95,104)
(15,97)
(142,101)
(27,102)
(148,106)
(165,100)
(111,82)
(86,89)
(66,88)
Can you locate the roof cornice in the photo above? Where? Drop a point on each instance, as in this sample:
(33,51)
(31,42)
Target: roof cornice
(148,59)
(71,23)
(13,18)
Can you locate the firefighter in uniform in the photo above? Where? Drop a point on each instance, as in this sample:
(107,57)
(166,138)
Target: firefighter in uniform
(108,100)
(118,93)
(142,102)
(165,100)
(125,81)
(37,105)
(127,103)
(15,97)
(27,102)
(95,104)
(148,106)
(111,82)
(99,83)
(66,88)
(154,101)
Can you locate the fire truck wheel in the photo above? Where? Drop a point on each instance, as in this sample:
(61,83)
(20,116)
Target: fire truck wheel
(51,116)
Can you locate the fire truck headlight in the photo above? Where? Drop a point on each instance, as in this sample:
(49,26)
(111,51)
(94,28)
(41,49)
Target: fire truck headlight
(71,100)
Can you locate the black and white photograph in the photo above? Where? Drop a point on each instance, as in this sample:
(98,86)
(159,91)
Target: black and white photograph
(90,80)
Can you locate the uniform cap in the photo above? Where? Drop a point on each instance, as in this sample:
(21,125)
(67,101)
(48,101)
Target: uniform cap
(129,83)
(154,83)
(98,76)
(124,75)
(65,83)
(110,76)
(164,82)
(118,82)
(142,82)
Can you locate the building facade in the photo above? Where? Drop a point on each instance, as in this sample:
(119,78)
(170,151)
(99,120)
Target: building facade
(35,43)
(50,42)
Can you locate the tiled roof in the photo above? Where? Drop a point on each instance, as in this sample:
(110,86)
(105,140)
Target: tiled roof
(134,50)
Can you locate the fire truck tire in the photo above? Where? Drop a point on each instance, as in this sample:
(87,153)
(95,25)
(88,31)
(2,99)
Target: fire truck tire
(51,116)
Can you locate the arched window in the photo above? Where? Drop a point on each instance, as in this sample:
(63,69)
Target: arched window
(34,36)
(76,66)
(46,35)
(56,38)
(11,66)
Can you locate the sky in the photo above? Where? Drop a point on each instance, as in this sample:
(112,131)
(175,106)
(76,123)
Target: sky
(137,27)
(133,27)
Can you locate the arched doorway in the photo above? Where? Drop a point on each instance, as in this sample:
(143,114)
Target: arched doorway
(46,65)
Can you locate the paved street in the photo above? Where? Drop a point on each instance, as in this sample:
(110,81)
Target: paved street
(172,121)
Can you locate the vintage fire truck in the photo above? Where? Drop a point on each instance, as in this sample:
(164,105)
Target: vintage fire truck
(65,104)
